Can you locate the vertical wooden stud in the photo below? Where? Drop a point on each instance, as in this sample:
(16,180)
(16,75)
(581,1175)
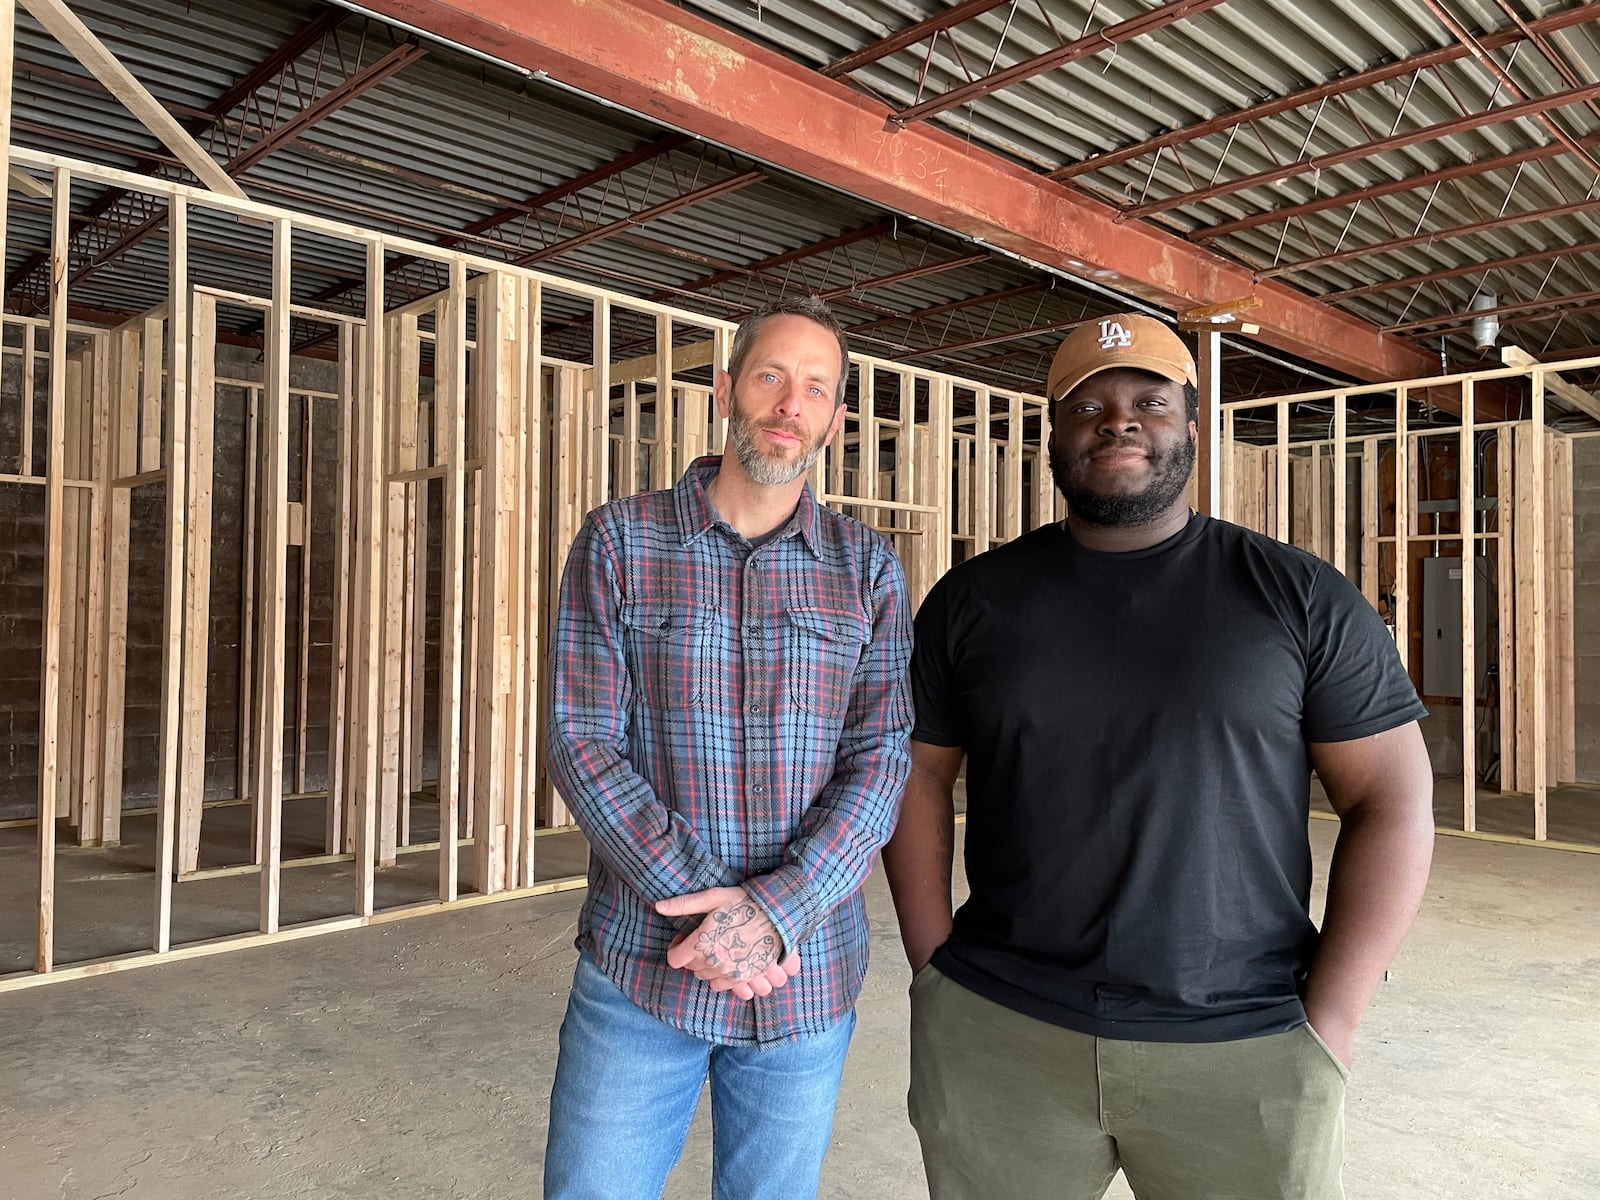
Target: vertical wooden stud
(334,813)
(269,713)
(177,456)
(1402,528)
(450,400)
(197,576)
(247,610)
(302,725)
(368,642)
(124,462)
(1467,491)
(50,657)
(1506,592)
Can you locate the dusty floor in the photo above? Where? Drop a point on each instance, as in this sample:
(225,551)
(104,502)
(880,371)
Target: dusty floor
(414,1059)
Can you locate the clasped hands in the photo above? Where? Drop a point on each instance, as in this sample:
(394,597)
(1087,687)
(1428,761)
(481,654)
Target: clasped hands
(735,949)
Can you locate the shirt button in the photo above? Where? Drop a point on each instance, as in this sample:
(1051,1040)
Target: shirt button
(755,708)
(758,790)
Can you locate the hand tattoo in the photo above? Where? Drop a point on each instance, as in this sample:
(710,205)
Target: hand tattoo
(733,943)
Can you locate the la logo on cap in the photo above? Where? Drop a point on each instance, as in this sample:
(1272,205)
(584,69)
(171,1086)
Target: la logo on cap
(1114,334)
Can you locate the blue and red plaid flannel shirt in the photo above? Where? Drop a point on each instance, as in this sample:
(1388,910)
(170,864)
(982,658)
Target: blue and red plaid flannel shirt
(722,715)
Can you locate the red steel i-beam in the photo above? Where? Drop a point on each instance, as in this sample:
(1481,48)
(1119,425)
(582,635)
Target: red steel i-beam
(687,72)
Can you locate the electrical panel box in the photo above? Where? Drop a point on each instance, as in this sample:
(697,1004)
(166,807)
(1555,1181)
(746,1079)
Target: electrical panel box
(1441,624)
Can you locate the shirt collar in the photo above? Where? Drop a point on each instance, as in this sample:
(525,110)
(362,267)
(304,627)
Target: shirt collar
(696,515)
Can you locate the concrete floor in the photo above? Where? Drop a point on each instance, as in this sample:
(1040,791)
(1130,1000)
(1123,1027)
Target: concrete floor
(413,1059)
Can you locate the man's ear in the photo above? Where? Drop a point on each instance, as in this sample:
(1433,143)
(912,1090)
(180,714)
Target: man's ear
(722,388)
(838,424)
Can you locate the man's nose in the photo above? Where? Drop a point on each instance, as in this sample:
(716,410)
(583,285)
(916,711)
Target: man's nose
(1118,422)
(789,398)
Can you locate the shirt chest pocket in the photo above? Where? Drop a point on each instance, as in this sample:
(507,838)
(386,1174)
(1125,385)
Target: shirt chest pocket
(822,649)
(669,652)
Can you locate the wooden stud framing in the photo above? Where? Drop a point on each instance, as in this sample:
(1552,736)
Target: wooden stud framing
(663,462)
(247,599)
(334,816)
(1537,618)
(982,474)
(1529,539)
(176,461)
(1341,484)
(268,790)
(530,612)
(303,673)
(1560,669)
(50,656)
(197,576)
(1467,512)
(450,399)
(98,437)
(63,25)
(366,638)
(400,442)
(135,423)
(124,460)
(499,373)
(1404,491)
(1506,589)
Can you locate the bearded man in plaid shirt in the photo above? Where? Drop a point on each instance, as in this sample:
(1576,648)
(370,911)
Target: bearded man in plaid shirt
(729,726)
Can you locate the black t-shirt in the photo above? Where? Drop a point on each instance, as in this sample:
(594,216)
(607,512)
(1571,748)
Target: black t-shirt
(1138,781)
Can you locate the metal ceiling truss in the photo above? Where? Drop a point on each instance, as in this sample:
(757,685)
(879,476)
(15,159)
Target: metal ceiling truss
(1473,268)
(613,198)
(1407,70)
(311,76)
(977,321)
(1535,107)
(1426,237)
(1087,44)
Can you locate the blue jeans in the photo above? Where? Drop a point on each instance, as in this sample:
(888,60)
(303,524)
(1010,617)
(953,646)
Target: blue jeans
(627,1085)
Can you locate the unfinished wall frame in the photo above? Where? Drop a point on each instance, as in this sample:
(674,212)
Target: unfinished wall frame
(1364,503)
(441,469)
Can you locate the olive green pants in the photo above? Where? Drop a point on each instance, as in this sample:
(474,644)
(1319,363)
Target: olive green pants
(1009,1106)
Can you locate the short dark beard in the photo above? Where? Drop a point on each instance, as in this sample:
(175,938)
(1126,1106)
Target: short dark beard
(764,469)
(1169,478)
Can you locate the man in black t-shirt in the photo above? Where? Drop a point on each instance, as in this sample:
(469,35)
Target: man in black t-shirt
(1139,695)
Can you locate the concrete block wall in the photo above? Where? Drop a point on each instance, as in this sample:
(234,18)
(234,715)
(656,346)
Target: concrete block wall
(22,598)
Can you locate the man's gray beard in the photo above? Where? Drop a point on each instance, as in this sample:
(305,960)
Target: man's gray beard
(1167,482)
(762,468)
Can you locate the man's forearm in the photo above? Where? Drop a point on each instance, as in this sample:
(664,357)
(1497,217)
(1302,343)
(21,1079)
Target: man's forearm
(918,861)
(1375,886)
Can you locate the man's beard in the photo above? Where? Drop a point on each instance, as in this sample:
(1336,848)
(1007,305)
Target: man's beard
(770,468)
(1169,477)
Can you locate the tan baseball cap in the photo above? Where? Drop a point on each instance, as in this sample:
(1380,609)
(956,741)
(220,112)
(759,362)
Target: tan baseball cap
(1120,340)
